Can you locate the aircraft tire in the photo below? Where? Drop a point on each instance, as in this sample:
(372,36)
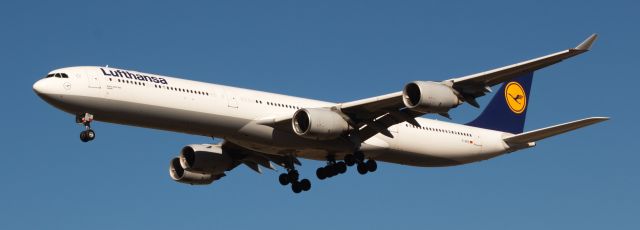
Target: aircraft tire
(293,175)
(284,179)
(342,167)
(295,187)
(90,134)
(372,165)
(321,173)
(362,168)
(305,184)
(83,136)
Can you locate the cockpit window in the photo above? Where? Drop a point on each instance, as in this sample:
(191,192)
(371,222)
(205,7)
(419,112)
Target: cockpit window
(58,75)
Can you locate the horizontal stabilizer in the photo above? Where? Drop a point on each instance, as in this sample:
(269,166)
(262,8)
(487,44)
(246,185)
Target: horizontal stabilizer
(543,133)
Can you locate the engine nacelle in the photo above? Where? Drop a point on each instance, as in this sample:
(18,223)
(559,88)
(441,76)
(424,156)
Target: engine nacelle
(181,175)
(205,158)
(429,97)
(319,124)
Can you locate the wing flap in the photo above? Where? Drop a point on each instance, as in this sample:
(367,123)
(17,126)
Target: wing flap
(539,134)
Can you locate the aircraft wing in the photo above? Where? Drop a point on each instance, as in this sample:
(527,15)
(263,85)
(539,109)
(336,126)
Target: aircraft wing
(375,114)
(478,84)
(379,113)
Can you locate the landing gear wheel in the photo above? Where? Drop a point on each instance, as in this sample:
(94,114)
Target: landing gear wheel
(305,185)
(371,165)
(87,135)
(295,187)
(293,175)
(362,168)
(91,134)
(83,136)
(332,170)
(321,173)
(284,179)
(349,159)
(341,167)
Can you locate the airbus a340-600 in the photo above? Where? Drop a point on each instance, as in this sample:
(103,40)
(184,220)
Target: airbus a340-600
(260,129)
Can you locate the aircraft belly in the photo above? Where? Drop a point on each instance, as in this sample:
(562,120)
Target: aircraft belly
(275,141)
(431,149)
(151,116)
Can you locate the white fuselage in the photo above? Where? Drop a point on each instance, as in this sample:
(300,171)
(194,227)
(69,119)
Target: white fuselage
(174,104)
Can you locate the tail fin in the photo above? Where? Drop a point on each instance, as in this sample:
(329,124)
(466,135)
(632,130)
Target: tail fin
(508,108)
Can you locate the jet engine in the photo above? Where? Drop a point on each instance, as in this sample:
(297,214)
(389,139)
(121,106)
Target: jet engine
(200,164)
(181,175)
(430,97)
(319,124)
(205,158)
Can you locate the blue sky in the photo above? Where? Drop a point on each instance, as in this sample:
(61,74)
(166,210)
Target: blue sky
(335,51)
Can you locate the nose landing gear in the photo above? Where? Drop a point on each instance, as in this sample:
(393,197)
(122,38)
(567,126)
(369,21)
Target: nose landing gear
(88,134)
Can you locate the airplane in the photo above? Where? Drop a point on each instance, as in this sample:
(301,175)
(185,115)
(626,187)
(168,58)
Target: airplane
(260,129)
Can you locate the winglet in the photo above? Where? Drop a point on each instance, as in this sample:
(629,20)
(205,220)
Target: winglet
(586,44)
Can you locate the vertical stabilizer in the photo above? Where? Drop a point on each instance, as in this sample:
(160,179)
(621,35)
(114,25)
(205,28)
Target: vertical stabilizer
(508,108)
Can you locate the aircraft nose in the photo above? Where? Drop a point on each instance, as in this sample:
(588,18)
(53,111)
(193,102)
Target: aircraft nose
(39,86)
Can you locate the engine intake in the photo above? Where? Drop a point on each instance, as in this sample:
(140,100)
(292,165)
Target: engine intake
(429,97)
(319,124)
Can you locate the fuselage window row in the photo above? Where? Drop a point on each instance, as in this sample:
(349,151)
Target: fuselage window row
(162,87)
(279,105)
(439,130)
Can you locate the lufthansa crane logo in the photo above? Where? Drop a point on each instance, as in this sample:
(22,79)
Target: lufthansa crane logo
(515,96)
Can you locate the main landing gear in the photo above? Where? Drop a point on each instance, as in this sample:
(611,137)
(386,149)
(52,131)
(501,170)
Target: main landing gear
(363,166)
(88,134)
(332,169)
(291,177)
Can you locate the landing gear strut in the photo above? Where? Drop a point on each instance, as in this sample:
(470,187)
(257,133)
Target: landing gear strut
(291,177)
(88,134)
